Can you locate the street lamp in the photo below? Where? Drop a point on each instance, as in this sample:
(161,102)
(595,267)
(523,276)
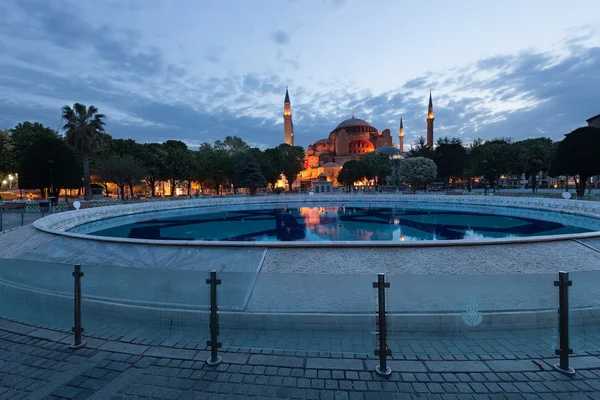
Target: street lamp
(50,164)
(485,170)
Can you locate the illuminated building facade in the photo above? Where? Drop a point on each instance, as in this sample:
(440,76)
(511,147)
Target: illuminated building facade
(349,140)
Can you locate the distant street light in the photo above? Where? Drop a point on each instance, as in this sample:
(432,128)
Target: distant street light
(10,179)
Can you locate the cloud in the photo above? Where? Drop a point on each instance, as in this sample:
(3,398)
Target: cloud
(279,37)
(50,57)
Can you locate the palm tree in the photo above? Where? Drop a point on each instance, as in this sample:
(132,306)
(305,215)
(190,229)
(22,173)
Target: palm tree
(84,127)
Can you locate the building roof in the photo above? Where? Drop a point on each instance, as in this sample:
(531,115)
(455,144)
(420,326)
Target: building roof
(389,150)
(351,123)
(331,165)
(287,96)
(595,117)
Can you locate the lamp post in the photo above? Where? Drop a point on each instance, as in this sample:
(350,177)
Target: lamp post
(50,164)
(485,170)
(10,179)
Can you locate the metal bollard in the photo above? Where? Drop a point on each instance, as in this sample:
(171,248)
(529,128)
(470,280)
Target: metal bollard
(383,351)
(1,212)
(214,320)
(563,284)
(77,329)
(22,217)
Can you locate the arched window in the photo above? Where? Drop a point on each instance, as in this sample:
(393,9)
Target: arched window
(328,189)
(316,188)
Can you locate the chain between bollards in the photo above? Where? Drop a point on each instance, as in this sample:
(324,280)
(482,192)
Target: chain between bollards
(383,351)
(214,320)
(77,329)
(563,284)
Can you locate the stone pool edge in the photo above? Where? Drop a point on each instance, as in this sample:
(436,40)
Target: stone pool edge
(59,224)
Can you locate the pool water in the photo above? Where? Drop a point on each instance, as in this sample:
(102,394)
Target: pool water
(333,223)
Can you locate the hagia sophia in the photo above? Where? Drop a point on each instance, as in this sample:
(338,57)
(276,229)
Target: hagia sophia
(348,140)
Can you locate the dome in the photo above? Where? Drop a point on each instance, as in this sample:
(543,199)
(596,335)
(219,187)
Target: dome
(354,125)
(353,122)
(331,165)
(390,151)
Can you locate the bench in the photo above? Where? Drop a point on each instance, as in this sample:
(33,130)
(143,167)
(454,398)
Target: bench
(12,206)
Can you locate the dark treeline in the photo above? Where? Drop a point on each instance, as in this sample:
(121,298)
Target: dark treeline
(41,155)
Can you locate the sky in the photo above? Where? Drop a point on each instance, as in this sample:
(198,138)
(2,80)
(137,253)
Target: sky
(201,70)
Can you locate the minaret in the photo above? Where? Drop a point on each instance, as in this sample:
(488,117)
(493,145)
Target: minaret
(401,137)
(430,119)
(288,125)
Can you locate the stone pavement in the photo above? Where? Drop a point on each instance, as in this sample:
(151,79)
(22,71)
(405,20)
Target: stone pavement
(37,363)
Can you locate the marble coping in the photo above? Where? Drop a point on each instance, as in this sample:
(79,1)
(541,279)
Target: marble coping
(61,223)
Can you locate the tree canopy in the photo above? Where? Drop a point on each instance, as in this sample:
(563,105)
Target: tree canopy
(578,154)
(352,171)
(417,171)
(84,128)
(21,137)
(35,171)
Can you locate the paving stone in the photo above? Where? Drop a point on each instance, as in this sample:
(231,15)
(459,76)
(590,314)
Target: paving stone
(337,363)
(457,366)
(276,361)
(512,366)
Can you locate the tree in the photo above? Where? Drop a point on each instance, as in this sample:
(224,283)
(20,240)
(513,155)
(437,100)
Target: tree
(376,166)
(121,170)
(577,154)
(21,137)
(84,127)
(292,162)
(352,171)
(151,157)
(419,149)
(533,156)
(35,172)
(450,159)
(6,157)
(270,162)
(178,163)
(232,144)
(248,174)
(492,159)
(417,170)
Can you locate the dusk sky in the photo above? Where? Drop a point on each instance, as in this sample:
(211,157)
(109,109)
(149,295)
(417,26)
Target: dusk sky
(197,71)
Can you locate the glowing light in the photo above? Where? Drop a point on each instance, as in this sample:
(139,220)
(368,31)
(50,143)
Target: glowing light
(402,238)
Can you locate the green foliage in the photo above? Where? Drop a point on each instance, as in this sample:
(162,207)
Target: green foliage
(416,171)
(578,154)
(419,149)
(179,163)
(36,173)
(6,158)
(21,137)
(84,128)
(278,190)
(533,156)
(151,157)
(450,158)
(376,166)
(248,174)
(232,144)
(122,170)
(270,162)
(492,159)
(292,162)
(352,171)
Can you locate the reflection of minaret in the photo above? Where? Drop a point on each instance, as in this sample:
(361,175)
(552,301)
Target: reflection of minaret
(430,119)
(401,137)
(288,126)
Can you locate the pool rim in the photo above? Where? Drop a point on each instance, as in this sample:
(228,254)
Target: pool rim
(59,224)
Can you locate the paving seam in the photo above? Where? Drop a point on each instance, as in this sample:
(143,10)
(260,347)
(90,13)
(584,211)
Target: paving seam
(254,279)
(586,245)
(59,380)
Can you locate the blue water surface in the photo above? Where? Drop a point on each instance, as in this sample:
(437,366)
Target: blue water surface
(333,223)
